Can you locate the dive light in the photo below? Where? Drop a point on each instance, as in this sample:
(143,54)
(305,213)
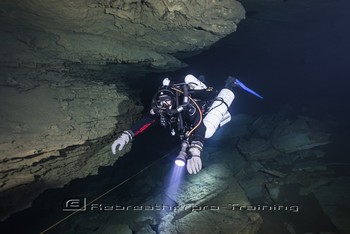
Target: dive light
(182,157)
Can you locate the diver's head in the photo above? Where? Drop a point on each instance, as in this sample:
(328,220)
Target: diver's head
(163,100)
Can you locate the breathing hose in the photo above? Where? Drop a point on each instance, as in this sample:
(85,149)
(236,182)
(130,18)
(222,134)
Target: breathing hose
(199,110)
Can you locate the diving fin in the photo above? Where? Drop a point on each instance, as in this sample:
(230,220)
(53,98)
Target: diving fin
(234,82)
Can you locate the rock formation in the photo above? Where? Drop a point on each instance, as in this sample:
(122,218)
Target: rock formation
(55,129)
(99,31)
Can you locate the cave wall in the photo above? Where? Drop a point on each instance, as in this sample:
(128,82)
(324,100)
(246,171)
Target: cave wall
(100,32)
(55,129)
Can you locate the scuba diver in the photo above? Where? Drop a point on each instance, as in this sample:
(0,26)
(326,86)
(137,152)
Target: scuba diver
(189,109)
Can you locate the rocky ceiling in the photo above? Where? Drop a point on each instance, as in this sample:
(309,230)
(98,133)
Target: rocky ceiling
(35,33)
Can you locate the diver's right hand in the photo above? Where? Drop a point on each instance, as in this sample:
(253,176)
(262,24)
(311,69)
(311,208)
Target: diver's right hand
(121,141)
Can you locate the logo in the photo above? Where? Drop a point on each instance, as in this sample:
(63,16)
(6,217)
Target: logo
(74,204)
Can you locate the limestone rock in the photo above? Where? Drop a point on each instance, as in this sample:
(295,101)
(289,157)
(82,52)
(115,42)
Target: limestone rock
(298,135)
(100,32)
(54,129)
(215,214)
(334,199)
(199,189)
(202,203)
(252,180)
(282,137)
(112,228)
(257,148)
(310,166)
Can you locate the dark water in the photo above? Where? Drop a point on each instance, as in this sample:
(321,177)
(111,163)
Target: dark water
(288,52)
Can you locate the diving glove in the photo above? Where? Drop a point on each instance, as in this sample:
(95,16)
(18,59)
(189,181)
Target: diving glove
(121,141)
(194,163)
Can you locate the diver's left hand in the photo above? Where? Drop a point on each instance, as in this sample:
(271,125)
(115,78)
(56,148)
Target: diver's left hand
(194,164)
